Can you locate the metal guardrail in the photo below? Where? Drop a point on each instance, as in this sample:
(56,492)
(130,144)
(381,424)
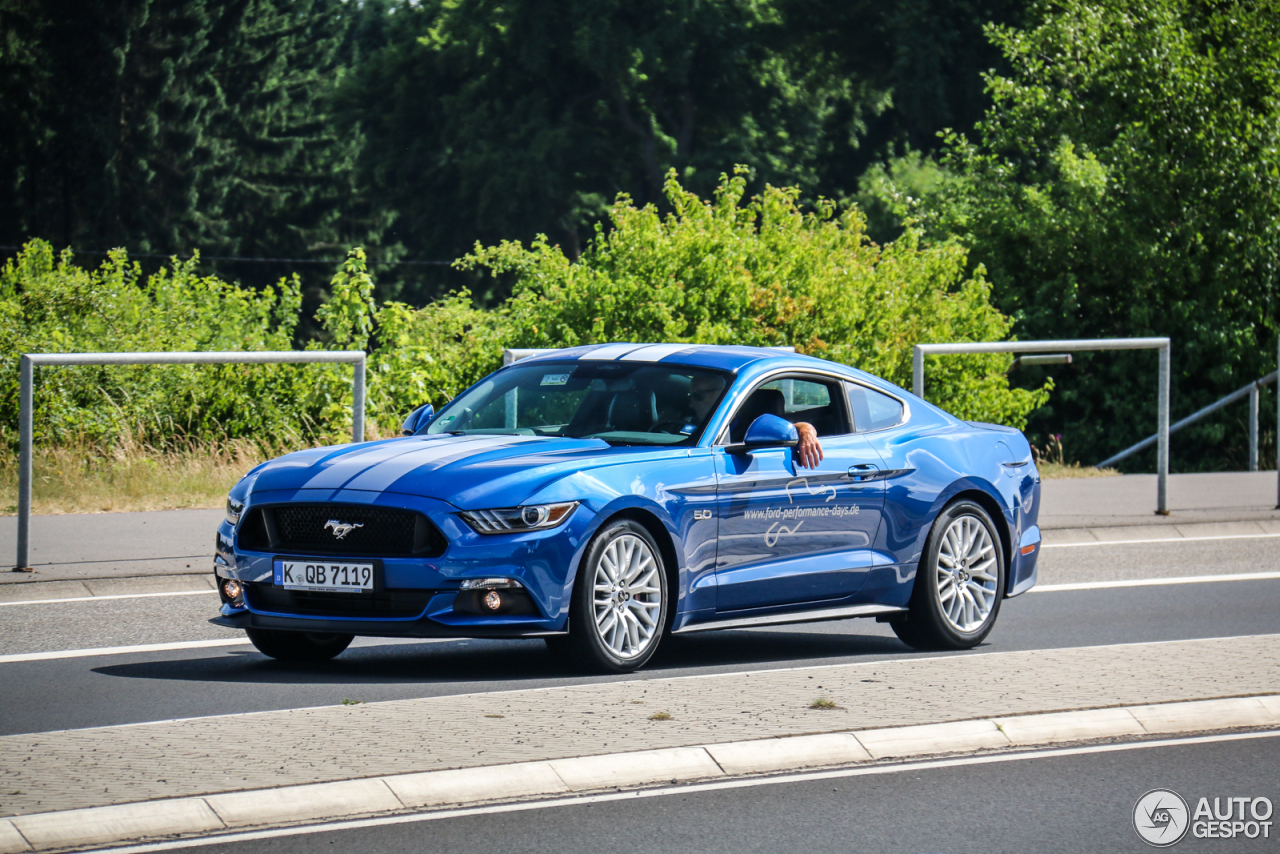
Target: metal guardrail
(1076,346)
(1251,390)
(29,361)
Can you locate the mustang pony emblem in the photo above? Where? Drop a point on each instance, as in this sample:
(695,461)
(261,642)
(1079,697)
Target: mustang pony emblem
(341,529)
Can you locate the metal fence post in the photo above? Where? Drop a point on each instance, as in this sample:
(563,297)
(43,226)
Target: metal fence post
(1162,451)
(357,401)
(917,372)
(29,361)
(24,463)
(1253,428)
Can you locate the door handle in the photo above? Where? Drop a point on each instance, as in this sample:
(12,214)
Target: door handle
(863,472)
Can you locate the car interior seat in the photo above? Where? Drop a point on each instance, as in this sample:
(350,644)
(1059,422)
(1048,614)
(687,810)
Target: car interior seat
(633,411)
(763,401)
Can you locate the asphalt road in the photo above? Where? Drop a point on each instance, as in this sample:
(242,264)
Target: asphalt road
(98,690)
(1045,802)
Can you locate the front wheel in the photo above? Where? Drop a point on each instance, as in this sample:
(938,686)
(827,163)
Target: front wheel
(959,585)
(619,607)
(298,646)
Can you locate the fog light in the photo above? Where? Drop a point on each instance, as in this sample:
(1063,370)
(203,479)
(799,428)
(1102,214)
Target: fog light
(231,589)
(492,600)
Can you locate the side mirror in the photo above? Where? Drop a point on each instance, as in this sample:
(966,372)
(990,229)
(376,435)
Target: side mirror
(770,431)
(417,419)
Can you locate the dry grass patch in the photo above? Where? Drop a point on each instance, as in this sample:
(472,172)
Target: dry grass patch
(1051,460)
(87,480)
(1053,471)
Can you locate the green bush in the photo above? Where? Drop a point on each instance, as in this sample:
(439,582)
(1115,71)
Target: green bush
(763,272)
(48,304)
(724,271)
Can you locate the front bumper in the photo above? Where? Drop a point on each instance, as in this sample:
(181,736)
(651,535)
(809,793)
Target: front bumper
(424,591)
(421,628)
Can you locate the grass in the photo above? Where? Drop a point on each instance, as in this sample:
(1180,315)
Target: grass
(1052,463)
(823,704)
(1056,471)
(659,716)
(83,479)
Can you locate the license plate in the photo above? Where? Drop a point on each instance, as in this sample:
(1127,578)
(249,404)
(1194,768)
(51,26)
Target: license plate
(324,576)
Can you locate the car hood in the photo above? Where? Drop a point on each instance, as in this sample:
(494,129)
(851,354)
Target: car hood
(467,471)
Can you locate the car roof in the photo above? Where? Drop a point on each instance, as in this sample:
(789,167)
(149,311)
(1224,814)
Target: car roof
(721,357)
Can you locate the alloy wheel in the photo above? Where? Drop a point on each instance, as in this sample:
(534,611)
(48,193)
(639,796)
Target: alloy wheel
(967,574)
(627,596)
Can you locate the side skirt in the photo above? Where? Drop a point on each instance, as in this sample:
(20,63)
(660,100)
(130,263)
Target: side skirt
(793,617)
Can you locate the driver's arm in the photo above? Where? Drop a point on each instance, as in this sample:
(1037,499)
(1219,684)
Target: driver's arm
(809,452)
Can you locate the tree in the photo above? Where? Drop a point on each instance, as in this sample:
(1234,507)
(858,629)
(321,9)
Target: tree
(1126,182)
(172,125)
(927,57)
(490,120)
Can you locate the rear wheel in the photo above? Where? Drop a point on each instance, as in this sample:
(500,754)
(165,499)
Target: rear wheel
(619,607)
(298,646)
(959,585)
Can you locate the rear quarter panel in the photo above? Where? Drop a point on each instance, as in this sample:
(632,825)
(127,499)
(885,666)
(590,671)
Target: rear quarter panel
(939,458)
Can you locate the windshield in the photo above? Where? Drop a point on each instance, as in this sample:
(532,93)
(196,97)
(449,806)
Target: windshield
(622,403)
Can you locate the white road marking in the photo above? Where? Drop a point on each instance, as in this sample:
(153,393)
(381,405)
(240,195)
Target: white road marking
(1154,582)
(105,598)
(741,783)
(120,650)
(360,643)
(1162,540)
(1089,586)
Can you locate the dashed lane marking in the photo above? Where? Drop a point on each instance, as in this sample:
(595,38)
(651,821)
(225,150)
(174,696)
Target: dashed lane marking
(1153,582)
(120,650)
(105,598)
(1160,540)
(205,644)
(1044,546)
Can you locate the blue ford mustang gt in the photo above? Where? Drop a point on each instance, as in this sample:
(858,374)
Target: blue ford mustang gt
(604,497)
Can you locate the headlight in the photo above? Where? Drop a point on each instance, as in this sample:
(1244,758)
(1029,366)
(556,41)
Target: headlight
(510,520)
(234,509)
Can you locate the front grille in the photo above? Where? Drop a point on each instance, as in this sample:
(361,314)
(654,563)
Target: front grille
(304,603)
(313,529)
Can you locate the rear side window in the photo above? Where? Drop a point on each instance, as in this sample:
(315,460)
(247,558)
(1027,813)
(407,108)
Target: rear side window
(871,409)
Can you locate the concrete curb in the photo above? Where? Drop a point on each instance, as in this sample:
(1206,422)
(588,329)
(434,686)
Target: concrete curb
(379,795)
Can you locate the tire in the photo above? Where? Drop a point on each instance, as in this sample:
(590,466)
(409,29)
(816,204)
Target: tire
(298,646)
(618,627)
(959,585)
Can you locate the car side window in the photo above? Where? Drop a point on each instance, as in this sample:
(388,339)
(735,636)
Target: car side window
(815,401)
(872,410)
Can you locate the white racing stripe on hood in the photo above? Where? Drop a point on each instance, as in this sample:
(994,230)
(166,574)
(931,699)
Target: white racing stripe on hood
(383,475)
(345,465)
(653,352)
